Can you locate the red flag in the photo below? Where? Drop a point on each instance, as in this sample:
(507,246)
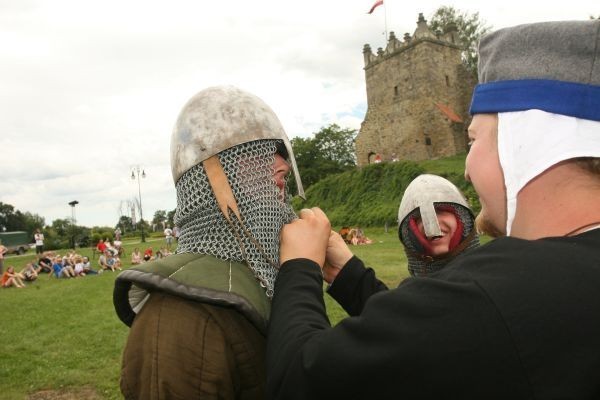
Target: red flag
(377,4)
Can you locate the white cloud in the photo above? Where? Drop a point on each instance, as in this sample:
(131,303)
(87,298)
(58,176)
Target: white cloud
(90,89)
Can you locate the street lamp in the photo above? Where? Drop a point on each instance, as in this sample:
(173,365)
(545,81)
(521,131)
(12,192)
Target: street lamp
(135,172)
(73,204)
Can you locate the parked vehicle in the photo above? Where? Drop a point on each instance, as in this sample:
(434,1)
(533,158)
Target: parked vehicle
(17,242)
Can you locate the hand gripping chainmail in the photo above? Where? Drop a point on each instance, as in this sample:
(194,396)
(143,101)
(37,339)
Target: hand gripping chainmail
(421,265)
(264,211)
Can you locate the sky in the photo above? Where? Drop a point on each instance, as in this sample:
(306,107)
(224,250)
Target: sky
(89,90)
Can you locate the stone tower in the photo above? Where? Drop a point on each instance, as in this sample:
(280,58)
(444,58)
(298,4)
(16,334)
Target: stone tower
(418,95)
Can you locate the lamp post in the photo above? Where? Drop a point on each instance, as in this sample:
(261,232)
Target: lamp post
(135,173)
(73,204)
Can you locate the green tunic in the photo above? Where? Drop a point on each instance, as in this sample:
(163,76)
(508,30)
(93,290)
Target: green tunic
(198,326)
(197,277)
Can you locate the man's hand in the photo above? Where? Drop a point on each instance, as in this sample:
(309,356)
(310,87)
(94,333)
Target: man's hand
(337,255)
(306,237)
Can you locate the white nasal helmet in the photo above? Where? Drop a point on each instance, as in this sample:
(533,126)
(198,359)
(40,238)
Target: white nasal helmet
(422,193)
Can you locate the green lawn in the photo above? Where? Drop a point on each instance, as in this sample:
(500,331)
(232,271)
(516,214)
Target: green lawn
(62,339)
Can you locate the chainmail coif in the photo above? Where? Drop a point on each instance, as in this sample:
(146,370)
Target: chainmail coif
(264,211)
(418,266)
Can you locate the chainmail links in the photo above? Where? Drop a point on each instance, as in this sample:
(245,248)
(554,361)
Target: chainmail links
(204,229)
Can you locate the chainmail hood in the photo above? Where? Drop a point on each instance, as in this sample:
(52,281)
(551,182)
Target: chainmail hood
(263,209)
(420,264)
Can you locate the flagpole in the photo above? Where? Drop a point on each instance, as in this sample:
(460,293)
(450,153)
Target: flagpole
(385,20)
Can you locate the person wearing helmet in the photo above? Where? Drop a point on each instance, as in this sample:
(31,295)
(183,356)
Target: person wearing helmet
(436,225)
(516,318)
(198,318)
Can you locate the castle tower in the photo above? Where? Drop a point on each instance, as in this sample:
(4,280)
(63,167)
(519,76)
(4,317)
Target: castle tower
(418,95)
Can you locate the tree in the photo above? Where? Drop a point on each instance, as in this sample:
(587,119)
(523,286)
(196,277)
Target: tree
(33,222)
(160,216)
(171,217)
(470,29)
(15,220)
(126,224)
(330,151)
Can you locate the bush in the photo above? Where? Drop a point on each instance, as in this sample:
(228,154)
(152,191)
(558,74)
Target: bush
(370,195)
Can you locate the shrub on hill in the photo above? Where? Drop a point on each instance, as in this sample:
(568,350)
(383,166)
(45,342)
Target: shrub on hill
(370,195)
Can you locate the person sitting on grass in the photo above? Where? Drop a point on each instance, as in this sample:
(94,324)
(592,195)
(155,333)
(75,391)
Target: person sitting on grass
(61,270)
(68,266)
(45,263)
(103,259)
(356,236)
(136,257)
(87,266)
(148,254)
(29,273)
(78,267)
(101,246)
(12,278)
(112,262)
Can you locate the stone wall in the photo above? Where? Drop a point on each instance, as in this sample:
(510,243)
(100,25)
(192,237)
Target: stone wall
(418,94)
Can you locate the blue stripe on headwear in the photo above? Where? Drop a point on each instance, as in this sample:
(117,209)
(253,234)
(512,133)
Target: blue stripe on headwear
(557,97)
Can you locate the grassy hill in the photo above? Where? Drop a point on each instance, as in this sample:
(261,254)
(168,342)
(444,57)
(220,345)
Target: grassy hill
(370,196)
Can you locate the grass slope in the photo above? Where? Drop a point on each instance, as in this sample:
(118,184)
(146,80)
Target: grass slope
(370,196)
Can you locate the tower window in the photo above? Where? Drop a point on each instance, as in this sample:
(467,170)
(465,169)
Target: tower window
(447,81)
(395,90)
(428,141)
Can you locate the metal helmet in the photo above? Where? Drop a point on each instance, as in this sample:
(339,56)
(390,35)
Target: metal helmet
(221,117)
(422,193)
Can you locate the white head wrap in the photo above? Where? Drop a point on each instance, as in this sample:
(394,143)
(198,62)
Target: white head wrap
(530,142)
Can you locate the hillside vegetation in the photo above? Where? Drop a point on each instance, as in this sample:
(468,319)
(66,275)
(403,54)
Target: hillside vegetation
(370,195)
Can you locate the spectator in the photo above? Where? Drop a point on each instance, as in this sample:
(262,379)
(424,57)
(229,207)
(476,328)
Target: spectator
(113,263)
(118,234)
(61,269)
(78,267)
(101,246)
(176,233)
(356,236)
(168,237)
(45,263)
(102,260)
(67,267)
(118,245)
(344,234)
(12,278)
(111,247)
(29,273)
(3,251)
(148,254)
(39,241)
(87,267)
(136,256)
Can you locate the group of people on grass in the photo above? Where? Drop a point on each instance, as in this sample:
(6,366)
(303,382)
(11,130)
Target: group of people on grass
(138,258)
(354,236)
(70,265)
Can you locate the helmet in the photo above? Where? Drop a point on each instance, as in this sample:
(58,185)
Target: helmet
(422,197)
(219,118)
(422,193)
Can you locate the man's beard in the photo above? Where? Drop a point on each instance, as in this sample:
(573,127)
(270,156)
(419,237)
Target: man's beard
(485,227)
